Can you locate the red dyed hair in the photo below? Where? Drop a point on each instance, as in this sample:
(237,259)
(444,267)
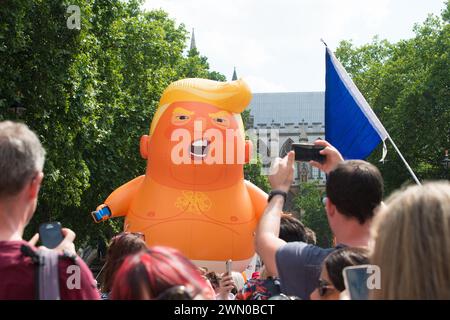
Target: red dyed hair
(150,273)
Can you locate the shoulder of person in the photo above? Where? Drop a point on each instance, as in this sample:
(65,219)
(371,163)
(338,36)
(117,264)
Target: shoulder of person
(302,252)
(69,262)
(76,279)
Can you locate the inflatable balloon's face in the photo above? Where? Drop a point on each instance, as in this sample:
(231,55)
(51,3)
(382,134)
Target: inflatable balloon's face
(195,143)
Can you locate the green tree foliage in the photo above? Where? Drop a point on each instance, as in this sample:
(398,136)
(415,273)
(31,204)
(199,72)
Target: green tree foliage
(253,171)
(40,65)
(309,202)
(89,94)
(408,85)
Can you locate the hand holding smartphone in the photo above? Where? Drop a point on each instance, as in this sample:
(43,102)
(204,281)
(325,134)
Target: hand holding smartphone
(50,234)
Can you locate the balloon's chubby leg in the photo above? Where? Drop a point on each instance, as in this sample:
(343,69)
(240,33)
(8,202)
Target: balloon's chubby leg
(118,202)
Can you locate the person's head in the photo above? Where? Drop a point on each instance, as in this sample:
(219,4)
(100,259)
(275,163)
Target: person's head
(238,280)
(214,280)
(331,281)
(292,229)
(411,243)
(354,190)
(152,274)
(121,246)
(21,163)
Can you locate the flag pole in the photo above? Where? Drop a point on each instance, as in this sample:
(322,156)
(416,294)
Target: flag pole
(404,161)
(324,42)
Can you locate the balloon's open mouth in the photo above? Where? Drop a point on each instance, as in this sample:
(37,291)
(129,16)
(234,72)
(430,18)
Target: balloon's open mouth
(199,149)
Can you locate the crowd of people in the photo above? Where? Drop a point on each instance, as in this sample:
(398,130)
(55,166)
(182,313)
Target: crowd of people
(407,237)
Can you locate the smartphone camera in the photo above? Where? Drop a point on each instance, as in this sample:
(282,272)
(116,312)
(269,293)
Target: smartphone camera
(307,152)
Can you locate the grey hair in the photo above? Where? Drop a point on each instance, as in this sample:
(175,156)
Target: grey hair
(21,157)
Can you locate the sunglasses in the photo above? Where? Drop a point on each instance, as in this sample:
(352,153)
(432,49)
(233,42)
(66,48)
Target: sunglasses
(323,287)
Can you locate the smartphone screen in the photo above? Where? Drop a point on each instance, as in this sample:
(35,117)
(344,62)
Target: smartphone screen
(355,279)
(50,234)
(306,152)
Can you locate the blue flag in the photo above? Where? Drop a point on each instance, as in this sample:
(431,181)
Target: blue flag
(350,123)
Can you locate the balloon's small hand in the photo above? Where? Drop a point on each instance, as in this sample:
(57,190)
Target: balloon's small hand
(101,214)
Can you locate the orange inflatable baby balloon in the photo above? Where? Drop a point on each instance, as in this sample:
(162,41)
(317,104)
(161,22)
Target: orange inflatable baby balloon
(193,195)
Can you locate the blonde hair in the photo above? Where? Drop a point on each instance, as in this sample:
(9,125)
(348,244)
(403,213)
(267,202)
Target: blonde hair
(232,96)
(411,237)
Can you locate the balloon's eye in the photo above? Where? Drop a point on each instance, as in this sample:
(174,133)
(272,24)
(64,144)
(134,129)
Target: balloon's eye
(221,122)
(180,119)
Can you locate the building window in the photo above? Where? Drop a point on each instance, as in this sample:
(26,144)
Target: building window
(310,169)
(304,173)
(287,146)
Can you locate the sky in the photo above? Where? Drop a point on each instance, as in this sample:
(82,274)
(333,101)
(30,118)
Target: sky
(275,44)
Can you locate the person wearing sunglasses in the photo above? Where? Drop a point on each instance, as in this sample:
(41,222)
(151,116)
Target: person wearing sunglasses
(331,281)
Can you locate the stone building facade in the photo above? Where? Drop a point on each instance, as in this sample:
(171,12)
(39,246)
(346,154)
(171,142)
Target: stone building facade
(280,119)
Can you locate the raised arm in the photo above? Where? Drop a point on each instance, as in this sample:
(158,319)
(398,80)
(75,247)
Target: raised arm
(266,239)
(118,202)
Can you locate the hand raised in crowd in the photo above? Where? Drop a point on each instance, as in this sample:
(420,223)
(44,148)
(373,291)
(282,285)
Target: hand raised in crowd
(282,172)
(66,245)
(226,284)
(332,157)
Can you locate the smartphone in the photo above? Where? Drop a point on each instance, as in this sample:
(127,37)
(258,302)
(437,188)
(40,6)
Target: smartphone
(307,152)
(50,234)
(228,267)
(355,280)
